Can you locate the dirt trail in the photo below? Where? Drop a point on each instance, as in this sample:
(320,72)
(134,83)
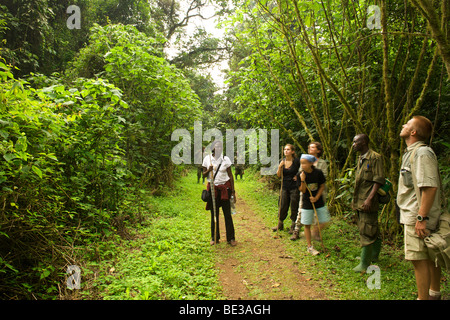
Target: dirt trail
(259,267)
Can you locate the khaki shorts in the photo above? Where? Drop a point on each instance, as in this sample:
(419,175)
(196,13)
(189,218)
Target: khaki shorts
(415,248)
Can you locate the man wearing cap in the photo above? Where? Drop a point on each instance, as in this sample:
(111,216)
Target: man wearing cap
(369,178)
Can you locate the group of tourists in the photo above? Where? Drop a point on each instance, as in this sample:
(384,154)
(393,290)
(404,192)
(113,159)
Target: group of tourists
(303,192)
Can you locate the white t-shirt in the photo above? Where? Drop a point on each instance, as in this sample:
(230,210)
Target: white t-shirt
(222,175)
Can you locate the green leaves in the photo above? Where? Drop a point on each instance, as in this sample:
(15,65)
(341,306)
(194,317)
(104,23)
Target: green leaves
(9,156)
(75,149)
(37,171)
(61,155)
(316,71)
(157,95)
(171,258)
(5,73)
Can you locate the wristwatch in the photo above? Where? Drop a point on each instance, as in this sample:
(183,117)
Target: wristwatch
(421,218)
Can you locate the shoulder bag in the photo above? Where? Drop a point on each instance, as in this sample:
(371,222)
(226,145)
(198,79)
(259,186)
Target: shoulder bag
(206,194)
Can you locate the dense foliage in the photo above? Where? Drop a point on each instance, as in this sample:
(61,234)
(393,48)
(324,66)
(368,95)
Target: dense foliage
(322,71)
(77,148)
(62,174)
(86,115)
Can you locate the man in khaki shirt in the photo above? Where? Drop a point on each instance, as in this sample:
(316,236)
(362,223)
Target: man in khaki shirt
(369,178)
(418,198)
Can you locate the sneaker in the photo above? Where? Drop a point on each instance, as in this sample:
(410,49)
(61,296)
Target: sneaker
(233,243)
(313,251)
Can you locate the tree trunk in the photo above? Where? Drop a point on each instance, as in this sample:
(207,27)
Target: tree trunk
(391,127)
(438,30)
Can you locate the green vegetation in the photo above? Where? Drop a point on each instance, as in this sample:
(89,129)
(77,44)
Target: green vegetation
(314,70)
(78,151)
(86,117)
(167,257)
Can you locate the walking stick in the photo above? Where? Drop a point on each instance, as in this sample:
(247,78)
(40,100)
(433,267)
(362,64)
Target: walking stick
(317,218)
(281,195)
(213,196)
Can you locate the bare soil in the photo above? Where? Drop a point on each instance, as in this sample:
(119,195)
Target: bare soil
(259,268)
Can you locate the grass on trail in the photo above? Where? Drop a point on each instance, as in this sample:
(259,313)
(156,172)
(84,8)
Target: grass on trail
(169,256)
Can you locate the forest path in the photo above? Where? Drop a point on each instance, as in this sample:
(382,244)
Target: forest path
(259,267)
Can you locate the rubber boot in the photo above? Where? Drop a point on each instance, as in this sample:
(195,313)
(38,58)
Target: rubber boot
(376,248)
(366,255)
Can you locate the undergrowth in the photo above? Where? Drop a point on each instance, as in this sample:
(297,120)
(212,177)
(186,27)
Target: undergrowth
(167,257)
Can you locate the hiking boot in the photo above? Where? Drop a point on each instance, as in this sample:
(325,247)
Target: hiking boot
(232,243)
(294,235)
(292,228)
(434,295)
(313,251)
(280,226)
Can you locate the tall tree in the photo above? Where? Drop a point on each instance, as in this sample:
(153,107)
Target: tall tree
(438,21)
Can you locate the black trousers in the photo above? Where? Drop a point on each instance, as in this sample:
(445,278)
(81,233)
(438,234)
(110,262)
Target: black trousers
(289,198)
(226,208)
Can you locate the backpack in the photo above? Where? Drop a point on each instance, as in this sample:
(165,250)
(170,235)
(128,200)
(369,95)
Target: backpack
(383,193)
(438,242)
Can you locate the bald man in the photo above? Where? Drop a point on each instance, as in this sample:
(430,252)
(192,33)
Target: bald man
(369,178)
